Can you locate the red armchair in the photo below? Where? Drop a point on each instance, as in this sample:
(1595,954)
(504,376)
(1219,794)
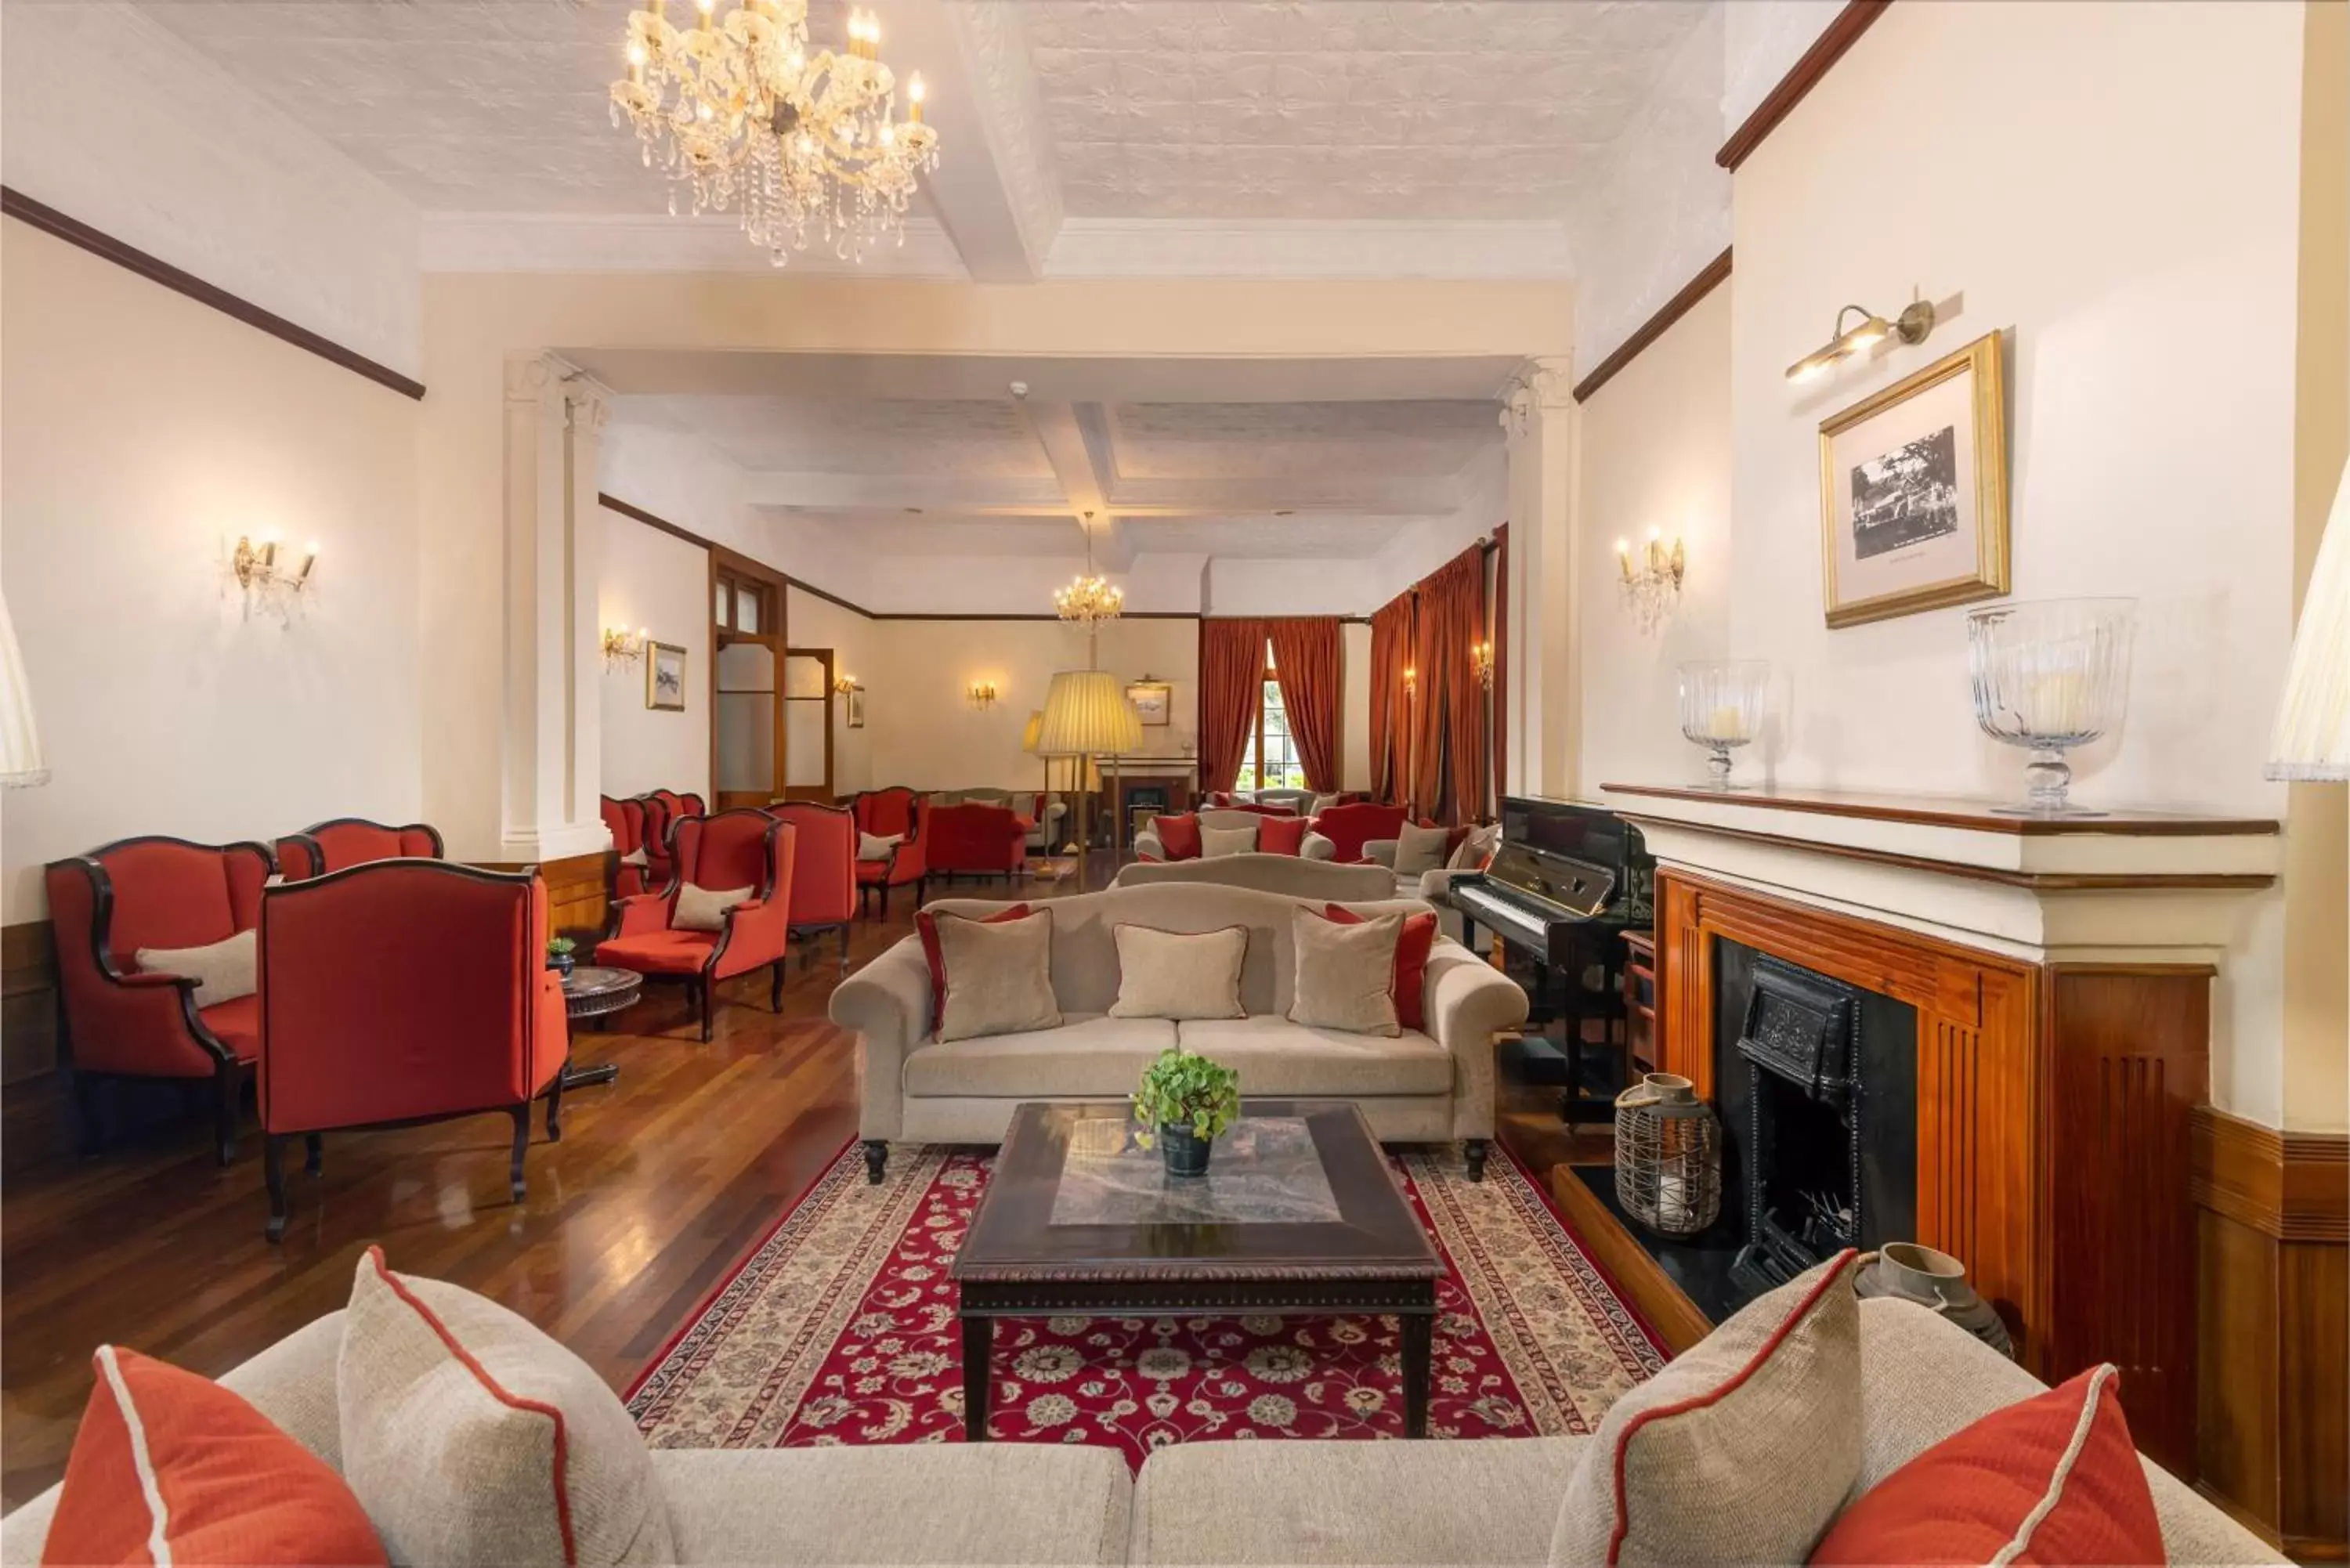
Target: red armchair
(894,813)
(733,850)
(399,991)
(824,871)
(626,821)
(664,809)
(123,1023)
(975,840)
(350,841)
(1349,827)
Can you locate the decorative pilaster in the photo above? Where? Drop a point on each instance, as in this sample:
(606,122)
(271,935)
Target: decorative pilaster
(1538,415)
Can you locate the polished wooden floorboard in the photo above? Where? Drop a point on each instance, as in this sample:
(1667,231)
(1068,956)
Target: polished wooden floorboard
(661,1182)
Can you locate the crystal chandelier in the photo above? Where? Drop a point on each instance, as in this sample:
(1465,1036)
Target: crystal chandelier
(748,118)
(1089,599)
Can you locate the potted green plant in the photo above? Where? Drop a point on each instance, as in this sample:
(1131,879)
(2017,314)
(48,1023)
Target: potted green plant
(1185,1101)
(559,955)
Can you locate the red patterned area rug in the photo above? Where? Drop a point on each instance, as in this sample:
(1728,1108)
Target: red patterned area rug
(840,1328)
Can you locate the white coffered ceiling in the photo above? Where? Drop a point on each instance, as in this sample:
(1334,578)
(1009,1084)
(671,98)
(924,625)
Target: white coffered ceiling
(1344,138)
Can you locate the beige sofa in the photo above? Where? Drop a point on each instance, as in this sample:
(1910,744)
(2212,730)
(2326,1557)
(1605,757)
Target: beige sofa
(1291,875)
(1431,1088)
(1494,1500)
(1147,843)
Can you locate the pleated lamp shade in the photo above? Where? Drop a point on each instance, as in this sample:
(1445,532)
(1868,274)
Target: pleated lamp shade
(20,739)
(2313,728)
(1085,710)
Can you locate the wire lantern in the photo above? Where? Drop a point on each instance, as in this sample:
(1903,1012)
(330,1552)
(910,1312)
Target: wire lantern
(1668,1156)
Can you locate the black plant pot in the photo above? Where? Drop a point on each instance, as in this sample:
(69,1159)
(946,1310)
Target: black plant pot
(1185,1151)
(561,963)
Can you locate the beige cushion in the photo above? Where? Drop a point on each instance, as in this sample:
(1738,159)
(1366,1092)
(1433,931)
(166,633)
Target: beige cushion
(1322,803)
(1472,851)
(1418,849)
(1740,1450)
(704,908)
(458,1458)
(1215,841)
(222,970)
(1088,1054)
(1345,972)
(1276,1057)
(637,857)
(1172,974)
(876,846)
(998,976)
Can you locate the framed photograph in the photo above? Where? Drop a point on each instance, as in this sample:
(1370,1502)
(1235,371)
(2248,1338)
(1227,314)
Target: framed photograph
(1913,492)
(855,699)
(665,677)
(1154,700)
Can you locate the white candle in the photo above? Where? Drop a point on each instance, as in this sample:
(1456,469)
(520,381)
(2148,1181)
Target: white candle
(1725,724)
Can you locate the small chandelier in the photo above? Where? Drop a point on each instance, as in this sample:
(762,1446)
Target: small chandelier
(1089,598)
(748,119)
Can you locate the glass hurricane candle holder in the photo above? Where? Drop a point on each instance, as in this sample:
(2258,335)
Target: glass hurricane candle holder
(1722,708)
(2048,677)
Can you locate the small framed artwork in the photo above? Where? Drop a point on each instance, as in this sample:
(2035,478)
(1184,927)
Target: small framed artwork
(665,677)
(1154,700)
(1913,492)
(853,701)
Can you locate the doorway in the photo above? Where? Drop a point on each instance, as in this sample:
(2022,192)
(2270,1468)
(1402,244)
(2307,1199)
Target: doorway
(746,716)
(807,724)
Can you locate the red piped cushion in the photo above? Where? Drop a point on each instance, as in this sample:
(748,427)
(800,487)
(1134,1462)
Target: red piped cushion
(166,1457)
(927,924)
(658,953)
(1978,1495)
(1410,982)
(1281,836)
(1179,835)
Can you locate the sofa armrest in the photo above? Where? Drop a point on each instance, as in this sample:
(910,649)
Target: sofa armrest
(1467,1002)
(1317,847)
(1148,847)
(887,1004)
(1434,885)
(1380,852)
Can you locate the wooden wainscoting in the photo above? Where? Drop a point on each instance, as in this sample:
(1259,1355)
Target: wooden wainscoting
(28,1002)
(578,894)
(2054,1108)
(2273,1289)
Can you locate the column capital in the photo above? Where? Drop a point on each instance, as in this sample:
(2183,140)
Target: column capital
(527,378)
(590,401)
(1539,385)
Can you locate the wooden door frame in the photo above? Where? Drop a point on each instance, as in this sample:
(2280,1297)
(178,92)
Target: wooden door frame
(774,633)
(825,656)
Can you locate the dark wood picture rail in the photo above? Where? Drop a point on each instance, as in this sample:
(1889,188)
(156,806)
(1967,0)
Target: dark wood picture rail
(1801,79)
(1648,331)
(97,243)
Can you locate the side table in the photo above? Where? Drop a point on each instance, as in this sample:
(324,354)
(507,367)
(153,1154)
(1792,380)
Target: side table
(594,993)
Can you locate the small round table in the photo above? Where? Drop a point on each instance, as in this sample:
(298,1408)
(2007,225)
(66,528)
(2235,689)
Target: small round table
(593,992)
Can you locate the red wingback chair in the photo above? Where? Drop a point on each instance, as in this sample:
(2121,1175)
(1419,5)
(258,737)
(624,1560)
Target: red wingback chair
(625,819)
(974,839)
(353,841)
(1349,827)
(824,871)
(733,850)
(664,809)
(893,812)
(405,991)
(123,1022)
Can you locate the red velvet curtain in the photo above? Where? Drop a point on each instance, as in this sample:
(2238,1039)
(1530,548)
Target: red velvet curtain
(1448,727)
(1306,662)
(1231,683)
(1500,660)
(1390,707)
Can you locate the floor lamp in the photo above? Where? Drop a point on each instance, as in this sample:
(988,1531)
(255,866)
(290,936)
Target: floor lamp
(1085,714)
(2312,742)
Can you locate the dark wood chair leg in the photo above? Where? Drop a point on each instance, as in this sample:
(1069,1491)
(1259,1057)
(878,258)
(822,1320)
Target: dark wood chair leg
(885,900)
(555,1106)
(877,1159)
(225,1080)
(775,985)
(273,1171)
(705,987)
(1473,1152)
(521,1147)
(314,1154)
(87,1093)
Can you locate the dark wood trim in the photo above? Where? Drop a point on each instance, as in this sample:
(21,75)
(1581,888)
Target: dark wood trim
(1957,811)
(28,1001)
(828,597)
(1801,79)
(640,514)
(1640,1279)
(972,614)
(105,246)
(2293,1186)
(1713,274)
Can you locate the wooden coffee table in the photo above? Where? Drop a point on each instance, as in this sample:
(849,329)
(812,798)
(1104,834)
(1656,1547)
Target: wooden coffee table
(1298,1214)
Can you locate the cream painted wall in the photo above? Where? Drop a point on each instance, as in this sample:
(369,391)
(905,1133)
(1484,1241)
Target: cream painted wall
(123,484)
(660,583)
(1354,716)
(1656,454)
(813,622)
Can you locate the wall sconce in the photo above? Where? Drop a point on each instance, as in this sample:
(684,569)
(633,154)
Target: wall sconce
(842,685)
(276,588)
(623,648)
(1481,661)
(981,694)
(1911,327)
(1653,587)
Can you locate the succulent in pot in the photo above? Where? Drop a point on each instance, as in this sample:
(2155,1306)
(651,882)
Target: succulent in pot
(1183,1102)
(559,955)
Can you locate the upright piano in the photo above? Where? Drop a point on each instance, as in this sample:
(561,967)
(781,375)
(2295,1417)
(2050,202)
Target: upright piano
(1566,883)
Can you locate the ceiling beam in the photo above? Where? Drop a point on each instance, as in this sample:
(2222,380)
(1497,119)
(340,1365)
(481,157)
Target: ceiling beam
(994,191)
(984,495)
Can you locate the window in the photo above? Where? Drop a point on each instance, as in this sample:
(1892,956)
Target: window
(1270,761)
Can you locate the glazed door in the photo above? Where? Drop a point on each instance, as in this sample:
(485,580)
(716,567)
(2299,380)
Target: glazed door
(746,716)
(807,724)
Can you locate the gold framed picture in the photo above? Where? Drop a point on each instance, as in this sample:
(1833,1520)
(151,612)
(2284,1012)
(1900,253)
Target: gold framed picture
(1913,492)
(1154,700)
(665,677)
